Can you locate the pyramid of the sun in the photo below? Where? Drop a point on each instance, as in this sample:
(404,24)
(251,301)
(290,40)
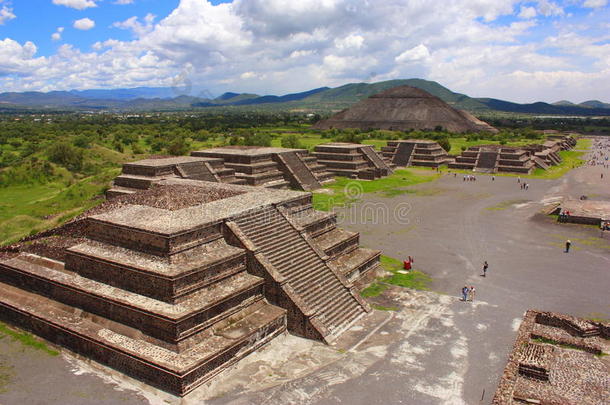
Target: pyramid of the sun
(404,108)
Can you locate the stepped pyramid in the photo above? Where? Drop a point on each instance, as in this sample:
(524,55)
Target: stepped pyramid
(404,108)
(495,158)
(173,284)
(142,174)
(415,152)
(352,160)
(272,167)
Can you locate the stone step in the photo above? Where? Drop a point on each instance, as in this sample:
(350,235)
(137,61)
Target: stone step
(178,373)
(337,241)
(154,237)
(356,263)
(117,191)
(168,322)
(339,311)
(170,280)
(135,181)
(301,270)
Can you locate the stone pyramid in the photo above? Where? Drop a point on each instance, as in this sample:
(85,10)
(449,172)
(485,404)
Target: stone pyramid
(404,108)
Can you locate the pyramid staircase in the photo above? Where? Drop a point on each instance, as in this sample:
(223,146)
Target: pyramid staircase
(298,172)
(487,161)
(323,302)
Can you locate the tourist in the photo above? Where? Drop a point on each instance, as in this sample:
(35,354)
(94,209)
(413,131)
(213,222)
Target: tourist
(518,179)
(568,244)
(465,293)
(485,267)
(471,293)
(493,178)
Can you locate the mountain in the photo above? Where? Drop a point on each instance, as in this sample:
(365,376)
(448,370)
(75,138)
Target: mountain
(563,102)
(594,104)
(126,94)
(320,99)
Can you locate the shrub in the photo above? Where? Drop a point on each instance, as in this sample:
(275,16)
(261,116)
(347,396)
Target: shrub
(445,144)
(68,156)
(291,141)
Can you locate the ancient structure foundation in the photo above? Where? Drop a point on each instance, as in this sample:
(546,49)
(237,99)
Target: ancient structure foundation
(493,159)
(173,284)
(352,160)
(272,167)
(142,174)
(415,152)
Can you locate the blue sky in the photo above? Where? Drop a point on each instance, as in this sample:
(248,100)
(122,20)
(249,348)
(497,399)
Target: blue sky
(519,50)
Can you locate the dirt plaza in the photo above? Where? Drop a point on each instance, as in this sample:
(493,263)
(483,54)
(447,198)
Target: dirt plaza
(429,347)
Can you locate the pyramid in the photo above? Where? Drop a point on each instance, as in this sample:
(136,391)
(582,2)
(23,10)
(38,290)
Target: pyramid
(404,108)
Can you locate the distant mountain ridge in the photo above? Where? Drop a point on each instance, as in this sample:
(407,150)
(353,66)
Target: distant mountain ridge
(323,98)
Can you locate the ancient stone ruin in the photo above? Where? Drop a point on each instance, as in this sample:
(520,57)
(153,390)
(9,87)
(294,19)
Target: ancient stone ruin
(272,167)
(173,284)
(405,108)
(557,359)
(494,159)
(352,160)
(545,154)
(415,152)
(142,174)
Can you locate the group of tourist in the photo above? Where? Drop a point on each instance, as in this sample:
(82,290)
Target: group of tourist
(469,177)
(468,293)
(522,184)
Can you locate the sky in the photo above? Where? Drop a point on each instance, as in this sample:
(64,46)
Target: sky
(522,51)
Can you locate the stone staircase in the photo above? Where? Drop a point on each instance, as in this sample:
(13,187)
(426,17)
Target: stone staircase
(540,163)
(299,173)
(301,264)
(377,162)
(403,155)
(487,162)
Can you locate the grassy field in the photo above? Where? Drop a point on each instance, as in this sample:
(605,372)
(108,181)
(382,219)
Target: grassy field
(29,209)
(345,191)
(413,279)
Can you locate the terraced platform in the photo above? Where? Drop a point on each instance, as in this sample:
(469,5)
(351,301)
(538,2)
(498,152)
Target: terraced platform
(272,167)
(174,296)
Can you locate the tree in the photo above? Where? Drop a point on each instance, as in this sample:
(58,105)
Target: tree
(445,144)
(64,154)
(291,141)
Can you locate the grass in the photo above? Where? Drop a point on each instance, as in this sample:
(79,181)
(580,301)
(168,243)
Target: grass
(414,279)
(564,345)
(26,339)
(346,191)
(29,209)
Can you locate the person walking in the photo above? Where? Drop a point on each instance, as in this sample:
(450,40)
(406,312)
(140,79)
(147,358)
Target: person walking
(485,266)
(465,293)
(568,244)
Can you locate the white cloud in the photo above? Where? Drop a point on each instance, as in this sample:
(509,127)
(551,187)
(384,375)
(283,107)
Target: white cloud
(56,36)
(282,46)
(138,28)
(123,2)
(77,4)
(595,3)
(418,53)
(527,12)
(547,8)
(6,14)
(351,41)
(84,24)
